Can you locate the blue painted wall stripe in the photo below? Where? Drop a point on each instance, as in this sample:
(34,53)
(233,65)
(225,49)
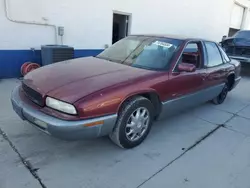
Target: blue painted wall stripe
(12,60)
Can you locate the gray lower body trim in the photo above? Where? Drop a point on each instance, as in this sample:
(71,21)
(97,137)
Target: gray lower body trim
(174,106)
(67,130)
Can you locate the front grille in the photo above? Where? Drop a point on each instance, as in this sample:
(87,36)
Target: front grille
(33,95)
(238,51)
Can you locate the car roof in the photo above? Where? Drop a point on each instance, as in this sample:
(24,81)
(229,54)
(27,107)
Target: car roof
(180,37)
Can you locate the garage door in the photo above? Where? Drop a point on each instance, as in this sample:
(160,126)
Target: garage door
(237,16)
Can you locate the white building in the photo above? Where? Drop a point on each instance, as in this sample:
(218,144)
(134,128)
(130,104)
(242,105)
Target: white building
(88,25)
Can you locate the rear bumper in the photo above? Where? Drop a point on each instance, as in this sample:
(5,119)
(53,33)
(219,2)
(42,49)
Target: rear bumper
(241,59)
(67,130)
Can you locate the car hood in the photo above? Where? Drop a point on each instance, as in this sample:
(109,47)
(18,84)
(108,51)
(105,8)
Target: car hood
(231,41)
(74,79)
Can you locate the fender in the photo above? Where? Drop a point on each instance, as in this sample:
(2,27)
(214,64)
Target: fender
(150,93)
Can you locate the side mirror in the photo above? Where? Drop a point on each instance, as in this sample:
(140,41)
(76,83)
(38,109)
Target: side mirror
(186,67)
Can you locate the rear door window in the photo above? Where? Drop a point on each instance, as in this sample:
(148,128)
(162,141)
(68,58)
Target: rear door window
(214,56)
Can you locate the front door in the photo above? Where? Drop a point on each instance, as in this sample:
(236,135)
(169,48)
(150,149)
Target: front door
(184,88)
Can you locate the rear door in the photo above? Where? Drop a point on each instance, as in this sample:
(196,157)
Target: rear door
(216,69)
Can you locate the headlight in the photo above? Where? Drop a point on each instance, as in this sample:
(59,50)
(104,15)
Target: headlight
(61,106)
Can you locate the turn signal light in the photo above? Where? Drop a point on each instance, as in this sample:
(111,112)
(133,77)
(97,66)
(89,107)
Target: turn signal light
(94,123)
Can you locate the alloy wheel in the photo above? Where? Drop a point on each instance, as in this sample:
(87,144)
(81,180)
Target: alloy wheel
(137,124)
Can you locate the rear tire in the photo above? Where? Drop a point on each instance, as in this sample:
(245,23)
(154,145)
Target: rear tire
(222,96)
(134,123)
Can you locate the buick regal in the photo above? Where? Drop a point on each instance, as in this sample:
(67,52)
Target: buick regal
(124,89)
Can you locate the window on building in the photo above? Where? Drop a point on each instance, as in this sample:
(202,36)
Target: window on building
(214,56)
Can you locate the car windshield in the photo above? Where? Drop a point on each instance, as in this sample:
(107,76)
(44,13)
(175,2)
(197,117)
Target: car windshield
(142,52)
(242,34)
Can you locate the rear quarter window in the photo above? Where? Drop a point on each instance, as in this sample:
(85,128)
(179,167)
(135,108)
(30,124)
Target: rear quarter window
(213,53)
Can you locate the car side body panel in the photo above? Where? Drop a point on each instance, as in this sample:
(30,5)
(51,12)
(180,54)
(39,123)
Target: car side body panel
(188,89)
(189,100)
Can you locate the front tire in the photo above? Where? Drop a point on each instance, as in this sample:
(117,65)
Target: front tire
(134,123)
(222,96)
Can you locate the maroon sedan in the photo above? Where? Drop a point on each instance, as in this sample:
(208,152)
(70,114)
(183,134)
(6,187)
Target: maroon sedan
(124,89)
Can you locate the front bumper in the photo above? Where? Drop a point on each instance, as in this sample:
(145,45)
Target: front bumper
(67,130)
(241,59)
